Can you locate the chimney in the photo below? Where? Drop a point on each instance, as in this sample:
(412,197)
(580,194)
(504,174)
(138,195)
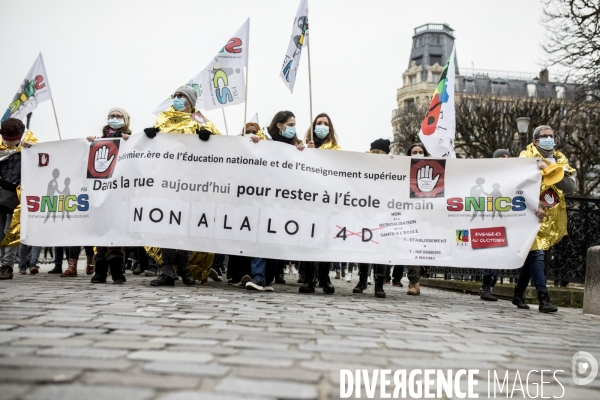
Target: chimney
(544,76)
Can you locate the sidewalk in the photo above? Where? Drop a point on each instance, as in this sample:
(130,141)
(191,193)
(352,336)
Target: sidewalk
(66,339)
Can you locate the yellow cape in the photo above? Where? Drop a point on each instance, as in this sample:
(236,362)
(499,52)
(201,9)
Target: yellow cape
(554,225)
(181,122)
(13,237)
(330,146)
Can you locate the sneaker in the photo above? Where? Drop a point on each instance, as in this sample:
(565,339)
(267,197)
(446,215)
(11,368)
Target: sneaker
(138,269)
(6,273)
(163,280)
(268,288)
(349,277)
(369,281)
(150,273)
(294,270)
(397,283)
(214,275)
(255,284)
(286,270)
(22,271)
(34,270)
(245,279)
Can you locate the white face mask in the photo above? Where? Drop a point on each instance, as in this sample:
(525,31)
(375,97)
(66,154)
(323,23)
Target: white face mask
(418,155)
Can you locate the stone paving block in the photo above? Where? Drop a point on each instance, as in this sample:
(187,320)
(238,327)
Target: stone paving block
(255,345)
(165,355)
(141,380)
(116,344)
(347,343)
(185,341)
(210,370)
(190,316)
(12,351)
(315,348)
(4,327)
(42,342)
(89,392)
(278,389)
(288,354)
(216,351)
(209,396)
(298,375)
(73,363)
(38,375)
(155,333)
(264,361)
(13,391)
(80,352)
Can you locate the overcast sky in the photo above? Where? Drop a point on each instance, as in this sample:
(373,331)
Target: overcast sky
(132,54)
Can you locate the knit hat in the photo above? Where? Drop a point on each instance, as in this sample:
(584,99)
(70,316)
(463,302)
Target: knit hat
(12,129)
(381,144)
(501,152)
(122,111)
(190,93)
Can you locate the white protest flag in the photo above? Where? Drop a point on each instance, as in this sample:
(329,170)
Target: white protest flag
(298,40)
(223,78)
(34,90)
(255,118)
(438,129)
(232,57)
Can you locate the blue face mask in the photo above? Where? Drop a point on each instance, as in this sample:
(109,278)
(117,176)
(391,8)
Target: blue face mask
(178,104)
(116,123)
(289,132)
(547,143)
(321,131)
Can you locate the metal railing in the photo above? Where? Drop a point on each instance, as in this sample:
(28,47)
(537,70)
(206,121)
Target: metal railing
(565,262)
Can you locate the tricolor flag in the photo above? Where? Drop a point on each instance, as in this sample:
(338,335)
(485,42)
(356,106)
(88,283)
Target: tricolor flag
(34,90)
(438,129)
(298,41)
(221,83)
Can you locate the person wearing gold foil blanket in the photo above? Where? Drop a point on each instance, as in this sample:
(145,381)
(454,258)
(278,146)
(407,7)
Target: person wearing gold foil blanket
(558,179)
(182,117)
(14,138)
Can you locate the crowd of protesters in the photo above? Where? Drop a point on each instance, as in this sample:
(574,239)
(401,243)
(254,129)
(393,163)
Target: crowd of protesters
(167,265)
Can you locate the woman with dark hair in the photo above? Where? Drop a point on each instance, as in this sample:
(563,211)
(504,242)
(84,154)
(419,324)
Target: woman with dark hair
(323,134)
(283,129)
(417,150)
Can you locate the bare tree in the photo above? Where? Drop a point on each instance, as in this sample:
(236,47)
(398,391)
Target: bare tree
(573,40)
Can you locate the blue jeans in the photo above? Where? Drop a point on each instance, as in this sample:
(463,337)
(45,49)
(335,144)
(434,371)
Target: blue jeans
(533,269)
(493,273)
(258,268)
(33,260)
(59,253)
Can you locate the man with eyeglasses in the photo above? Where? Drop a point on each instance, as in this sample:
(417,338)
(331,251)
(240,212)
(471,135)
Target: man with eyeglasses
(182,117)
(559,178)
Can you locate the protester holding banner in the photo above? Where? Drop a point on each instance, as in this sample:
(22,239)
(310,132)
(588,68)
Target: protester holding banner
(380,146)
(14,139)
(558,179)
(182,117)
(283,129)
(323,135)
(117,125)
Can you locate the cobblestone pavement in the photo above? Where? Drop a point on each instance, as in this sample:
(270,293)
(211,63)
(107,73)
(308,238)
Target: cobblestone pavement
(66,339)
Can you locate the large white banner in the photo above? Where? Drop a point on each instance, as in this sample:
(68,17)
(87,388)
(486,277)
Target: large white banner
(231,196)
(438,130)
(34,89)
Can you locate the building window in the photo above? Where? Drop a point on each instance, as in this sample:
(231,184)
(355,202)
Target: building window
(498,87)
(435,59)
(410,104)
(435,39)
(435,77)
(470,85)
(560,92)
(531,90)
(413,79)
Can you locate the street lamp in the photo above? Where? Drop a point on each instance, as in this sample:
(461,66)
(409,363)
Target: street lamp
(522,125)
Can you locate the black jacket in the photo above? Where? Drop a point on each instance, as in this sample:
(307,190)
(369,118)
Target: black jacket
(10,171)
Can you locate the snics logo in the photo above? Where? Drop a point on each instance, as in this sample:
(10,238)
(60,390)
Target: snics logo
(486,204)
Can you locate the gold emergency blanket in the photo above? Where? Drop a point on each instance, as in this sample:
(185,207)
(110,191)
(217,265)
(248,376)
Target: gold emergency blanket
(200,262)
(554,225)
(330,146)
(13,237)
(181,122)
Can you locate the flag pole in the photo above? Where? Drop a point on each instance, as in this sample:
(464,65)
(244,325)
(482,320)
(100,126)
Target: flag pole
(310,96)
(225,119)
(245,104)
(55,118)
